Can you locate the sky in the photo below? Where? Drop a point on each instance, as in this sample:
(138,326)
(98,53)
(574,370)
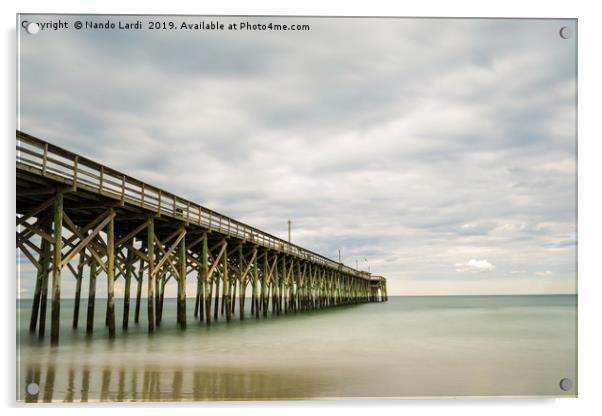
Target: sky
(440,153)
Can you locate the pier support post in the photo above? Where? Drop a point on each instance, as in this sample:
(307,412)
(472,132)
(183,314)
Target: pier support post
(233,295)
(139,291)
(199,300)
(56,268)
(241,288)
(111,276)
(182,285)
(311,287)
(275,284)
(127,289)
(209,300)
(304,288)
(227,285)
(150,248)
(45,269)
(255,297)
(35,306)
(264,285)
(196,297)
(296,285)
(160,295)
(216,302)
(284,287)
(205,277)
(298,289)
(200,289)
(202,300)
(91,298)
(43,262)
(78,287)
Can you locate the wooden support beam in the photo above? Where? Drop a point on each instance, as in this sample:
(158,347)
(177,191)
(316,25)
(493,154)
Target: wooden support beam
(94,246)
(219,244)
(195,243)
(226,283)
(205,277)
(167,255)
(173,235)
(132,234)
(78,288)
(283,286)
(161,296)
(72,270)
(30,256)
(91,299)
(218,258)
(35,306)
(142,256)
(56,268)
(199,304)
(182,283)
(107,217)
(83,230)
(150,247)
(216,302)
(275,281)
(139,291)
(197,299)
(33,212)
(264,285)
(32,229)
(24,236)
(111,274)
(41,277)
(126,295)
(44,270)
(245,273)
(242,282)
(36,192)
(255,295)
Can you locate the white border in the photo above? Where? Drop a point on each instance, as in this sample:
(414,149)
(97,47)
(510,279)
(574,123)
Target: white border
(590,189)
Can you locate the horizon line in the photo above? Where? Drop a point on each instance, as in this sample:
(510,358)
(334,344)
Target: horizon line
(133,300)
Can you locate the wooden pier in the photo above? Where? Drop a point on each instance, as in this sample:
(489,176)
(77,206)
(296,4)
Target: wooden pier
(76,215)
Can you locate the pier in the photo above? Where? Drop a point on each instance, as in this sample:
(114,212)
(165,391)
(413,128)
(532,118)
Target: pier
(78,217)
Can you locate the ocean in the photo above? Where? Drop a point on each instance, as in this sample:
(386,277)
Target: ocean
(439,346)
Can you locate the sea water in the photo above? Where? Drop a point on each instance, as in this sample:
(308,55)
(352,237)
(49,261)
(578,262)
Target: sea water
(443,346)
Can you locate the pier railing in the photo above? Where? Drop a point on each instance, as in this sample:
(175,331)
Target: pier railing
(40,157)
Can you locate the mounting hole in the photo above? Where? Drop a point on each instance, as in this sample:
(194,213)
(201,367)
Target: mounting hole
(32,28)
(566,384)
(32,389)
(565,32)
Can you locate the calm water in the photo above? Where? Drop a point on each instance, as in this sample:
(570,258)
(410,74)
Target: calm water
(406,347)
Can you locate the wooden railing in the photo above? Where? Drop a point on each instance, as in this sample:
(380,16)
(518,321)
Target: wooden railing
(40,157)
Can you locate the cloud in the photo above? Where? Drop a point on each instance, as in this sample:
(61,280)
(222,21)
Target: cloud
(547,273)
(474,266)
(412,142)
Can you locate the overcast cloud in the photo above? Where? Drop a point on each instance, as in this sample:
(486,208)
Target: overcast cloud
(440,151)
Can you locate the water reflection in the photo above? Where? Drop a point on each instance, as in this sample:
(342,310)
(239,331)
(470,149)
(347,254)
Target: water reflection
(451,346)
(107,384)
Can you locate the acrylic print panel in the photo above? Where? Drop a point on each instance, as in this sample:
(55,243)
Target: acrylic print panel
(270,208)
